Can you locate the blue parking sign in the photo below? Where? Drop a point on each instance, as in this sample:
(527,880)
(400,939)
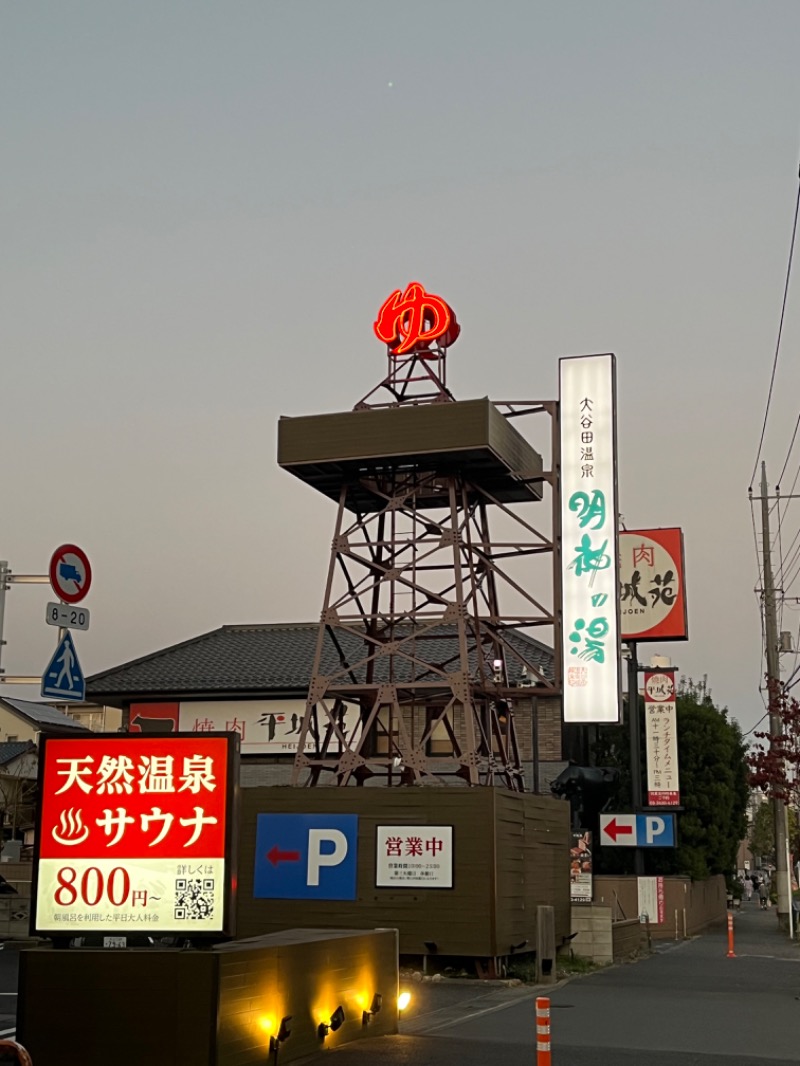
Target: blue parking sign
(306,856)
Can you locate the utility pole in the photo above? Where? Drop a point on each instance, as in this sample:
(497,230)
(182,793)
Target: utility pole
(635,727)
(779,809)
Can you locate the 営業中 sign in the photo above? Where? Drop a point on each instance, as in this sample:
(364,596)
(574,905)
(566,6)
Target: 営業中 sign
(414,856)
(590,652)
(652,585)
(661,731)
(133,835)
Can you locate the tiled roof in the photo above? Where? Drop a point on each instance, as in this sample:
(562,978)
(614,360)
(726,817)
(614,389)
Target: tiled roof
(266,658)
(12,749)
(40,714)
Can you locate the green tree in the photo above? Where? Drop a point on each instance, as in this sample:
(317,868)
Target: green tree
(762,833)
(714,789)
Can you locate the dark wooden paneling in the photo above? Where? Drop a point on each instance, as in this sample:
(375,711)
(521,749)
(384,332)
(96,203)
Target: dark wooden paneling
(204,1008)
(307,978)
(471,436)
(447,917)
(511,852)
(88,1007)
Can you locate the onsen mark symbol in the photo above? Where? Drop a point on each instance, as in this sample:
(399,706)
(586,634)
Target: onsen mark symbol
(73,831)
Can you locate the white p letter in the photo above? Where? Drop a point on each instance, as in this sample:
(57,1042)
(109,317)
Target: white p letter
(316,858)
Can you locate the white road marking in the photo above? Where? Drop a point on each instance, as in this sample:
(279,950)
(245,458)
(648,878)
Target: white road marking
(478,1013)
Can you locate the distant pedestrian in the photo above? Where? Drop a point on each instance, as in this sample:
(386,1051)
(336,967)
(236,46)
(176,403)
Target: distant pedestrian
(748,889)
(763,894)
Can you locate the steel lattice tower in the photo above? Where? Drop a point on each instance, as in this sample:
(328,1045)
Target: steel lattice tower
(414,656)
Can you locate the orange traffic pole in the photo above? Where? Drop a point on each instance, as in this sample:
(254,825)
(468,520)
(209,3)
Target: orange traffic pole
(543,1031)
(731,953)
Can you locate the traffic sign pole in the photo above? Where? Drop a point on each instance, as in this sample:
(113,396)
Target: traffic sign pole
(7,579)
(4,571)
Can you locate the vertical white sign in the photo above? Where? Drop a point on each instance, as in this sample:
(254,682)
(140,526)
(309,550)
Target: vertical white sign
(661,724)
(651,899)
(590,644)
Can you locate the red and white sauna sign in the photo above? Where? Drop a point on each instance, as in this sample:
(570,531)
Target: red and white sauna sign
(133,834)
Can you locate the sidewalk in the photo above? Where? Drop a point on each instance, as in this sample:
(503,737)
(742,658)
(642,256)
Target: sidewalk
(686,1005)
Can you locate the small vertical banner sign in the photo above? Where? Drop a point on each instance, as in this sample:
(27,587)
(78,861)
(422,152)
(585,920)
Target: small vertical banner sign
(590,646)
(135,835)
(661,724)
(580,867)
(651,900)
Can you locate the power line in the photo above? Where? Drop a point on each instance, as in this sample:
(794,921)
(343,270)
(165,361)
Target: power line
(791,445)
(755,727)
(780,333)
(755,539)
(782,515)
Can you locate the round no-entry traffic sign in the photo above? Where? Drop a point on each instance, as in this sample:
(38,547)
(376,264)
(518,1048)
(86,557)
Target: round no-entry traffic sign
(70,573)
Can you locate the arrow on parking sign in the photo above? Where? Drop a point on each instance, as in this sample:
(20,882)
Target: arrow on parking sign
(614,829)
(638,830)
(275,855)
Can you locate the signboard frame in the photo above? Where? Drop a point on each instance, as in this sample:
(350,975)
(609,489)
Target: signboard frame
(67,616)
(582,879)
(591,667)
(292,831)
(627,825)
(675,624)
(226,928)
(246,714)
(64,594)
(76,693)
(667,711)
(383,881)
(653,887)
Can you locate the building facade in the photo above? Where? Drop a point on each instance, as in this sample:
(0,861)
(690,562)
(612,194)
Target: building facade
(253,679)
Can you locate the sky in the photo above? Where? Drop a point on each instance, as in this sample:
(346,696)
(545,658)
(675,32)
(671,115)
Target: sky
(204,205)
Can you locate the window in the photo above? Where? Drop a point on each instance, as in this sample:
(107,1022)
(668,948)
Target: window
(386,716)
(11,740)
(439,743)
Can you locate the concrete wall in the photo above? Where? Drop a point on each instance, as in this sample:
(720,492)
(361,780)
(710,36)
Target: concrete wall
(698,903)
(600,938)
(628,938)
(15,909)
(594,940)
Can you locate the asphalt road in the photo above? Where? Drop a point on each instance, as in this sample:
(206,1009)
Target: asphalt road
(687,1005)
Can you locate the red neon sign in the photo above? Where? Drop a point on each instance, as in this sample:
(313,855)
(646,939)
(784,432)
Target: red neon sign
(408,321)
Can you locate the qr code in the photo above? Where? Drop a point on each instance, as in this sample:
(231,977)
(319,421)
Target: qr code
(194,898)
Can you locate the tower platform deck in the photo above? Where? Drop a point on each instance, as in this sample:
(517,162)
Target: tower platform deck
(470,439)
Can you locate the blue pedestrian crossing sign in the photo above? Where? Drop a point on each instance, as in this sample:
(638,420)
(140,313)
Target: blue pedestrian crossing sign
(63,679)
